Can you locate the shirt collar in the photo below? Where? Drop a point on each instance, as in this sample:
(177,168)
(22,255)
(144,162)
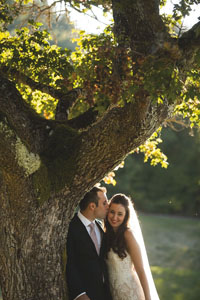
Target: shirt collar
(84,220)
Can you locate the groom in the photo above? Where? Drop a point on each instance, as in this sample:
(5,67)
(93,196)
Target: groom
(86,271)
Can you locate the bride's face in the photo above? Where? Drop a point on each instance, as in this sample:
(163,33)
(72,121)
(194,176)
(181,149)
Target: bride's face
(116,215)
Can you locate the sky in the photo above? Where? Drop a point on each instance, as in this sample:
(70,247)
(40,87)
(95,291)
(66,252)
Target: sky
(90,25)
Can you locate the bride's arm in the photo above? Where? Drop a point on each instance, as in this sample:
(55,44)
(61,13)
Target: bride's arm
(136,257)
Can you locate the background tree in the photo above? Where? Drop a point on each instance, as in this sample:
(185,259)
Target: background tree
(57,22)
(67,119)
(174,190)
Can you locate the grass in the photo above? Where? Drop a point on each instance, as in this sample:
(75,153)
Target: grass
(174,284)
(173,246)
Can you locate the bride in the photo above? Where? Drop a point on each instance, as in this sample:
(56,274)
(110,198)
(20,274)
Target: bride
(128,267)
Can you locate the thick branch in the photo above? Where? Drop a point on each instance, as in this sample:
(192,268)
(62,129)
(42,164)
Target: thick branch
(29,126)
(65,100)
(191,38)
(189,42)
(138,25)
(34,85)
(84,120)
(110,139)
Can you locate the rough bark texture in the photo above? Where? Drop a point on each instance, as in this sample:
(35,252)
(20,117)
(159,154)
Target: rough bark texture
(47,166)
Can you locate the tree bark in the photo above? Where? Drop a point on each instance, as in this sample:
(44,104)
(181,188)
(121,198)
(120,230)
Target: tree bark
(40,191)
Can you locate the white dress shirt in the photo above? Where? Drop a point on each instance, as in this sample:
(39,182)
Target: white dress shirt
(86,223)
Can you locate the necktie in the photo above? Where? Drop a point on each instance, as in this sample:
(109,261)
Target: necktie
(93,236)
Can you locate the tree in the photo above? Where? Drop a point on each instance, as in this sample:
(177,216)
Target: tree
(59,25)
(103,101)
(174,190)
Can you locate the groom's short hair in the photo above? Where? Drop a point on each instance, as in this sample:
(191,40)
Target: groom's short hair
(91,196)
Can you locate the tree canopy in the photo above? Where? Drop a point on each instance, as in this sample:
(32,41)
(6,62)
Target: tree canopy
(126,62)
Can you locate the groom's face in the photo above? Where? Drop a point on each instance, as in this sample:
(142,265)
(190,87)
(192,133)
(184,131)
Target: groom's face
(102,209)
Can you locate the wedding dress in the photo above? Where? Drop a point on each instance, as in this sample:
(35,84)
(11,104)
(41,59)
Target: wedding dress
(123,279)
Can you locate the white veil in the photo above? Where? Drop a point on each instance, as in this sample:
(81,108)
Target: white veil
(137,232)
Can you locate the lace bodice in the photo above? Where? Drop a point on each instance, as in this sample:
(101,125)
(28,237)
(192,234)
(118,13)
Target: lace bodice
(124,282)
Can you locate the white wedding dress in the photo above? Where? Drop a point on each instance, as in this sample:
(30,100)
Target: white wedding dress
(123,279)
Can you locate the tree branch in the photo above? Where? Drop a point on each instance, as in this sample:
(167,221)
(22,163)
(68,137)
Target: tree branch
(34,85)
(190,40)
(84,120)
(30,127)
(93,16)
(138,25)
(65,100)
(112,137)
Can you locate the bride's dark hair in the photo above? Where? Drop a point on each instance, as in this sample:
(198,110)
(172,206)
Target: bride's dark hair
(116,240)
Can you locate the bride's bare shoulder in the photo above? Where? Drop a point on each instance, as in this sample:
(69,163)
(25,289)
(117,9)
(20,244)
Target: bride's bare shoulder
(129,237)
(128,234)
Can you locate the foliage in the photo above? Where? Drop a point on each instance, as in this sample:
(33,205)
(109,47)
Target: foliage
(58,24)
(7,12)
(93,68)
(183,8)
(151,152)
(84,5)
(173,191)
(30,53)
(190,106)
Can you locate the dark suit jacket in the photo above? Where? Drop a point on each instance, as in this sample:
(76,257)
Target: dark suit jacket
(85,269)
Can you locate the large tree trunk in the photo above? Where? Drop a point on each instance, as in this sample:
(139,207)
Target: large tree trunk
(39,191)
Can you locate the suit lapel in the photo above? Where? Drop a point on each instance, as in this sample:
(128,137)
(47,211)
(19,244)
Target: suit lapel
(100,228)
(102,235)
(86,235)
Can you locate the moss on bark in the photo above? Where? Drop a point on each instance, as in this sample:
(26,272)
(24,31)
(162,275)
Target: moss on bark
(41,184)
(60,157)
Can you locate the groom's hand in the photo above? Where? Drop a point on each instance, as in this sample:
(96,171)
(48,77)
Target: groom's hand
(83,297)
